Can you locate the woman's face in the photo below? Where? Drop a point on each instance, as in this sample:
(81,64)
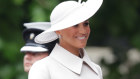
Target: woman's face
(30,58)
(75,36)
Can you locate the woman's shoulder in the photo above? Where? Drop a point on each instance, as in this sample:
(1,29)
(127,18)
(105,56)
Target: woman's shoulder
(42,65)
(39,69)
(44,62)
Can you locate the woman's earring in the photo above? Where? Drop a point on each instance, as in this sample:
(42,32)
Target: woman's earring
(59,36)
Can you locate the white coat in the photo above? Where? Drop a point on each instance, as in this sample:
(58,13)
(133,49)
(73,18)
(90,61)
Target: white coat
(61,64)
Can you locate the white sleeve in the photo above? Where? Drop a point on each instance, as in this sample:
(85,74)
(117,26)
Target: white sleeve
(38,71)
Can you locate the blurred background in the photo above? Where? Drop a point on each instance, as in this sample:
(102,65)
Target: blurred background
(114,41)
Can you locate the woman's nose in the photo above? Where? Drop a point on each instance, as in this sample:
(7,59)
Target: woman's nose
(82,30)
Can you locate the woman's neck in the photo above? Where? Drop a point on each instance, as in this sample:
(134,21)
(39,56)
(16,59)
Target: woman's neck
(71,49)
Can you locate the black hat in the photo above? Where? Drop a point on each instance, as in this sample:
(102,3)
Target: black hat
(30,33)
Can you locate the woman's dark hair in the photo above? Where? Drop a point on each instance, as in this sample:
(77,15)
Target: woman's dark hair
(51,45)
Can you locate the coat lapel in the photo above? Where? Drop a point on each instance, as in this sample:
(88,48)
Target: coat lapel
(71,61)
(67,59)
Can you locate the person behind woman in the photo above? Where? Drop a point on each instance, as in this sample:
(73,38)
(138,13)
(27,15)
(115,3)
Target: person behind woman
(68,59)
(34,51)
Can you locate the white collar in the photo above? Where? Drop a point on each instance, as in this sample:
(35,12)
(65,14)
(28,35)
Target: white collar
(71,61)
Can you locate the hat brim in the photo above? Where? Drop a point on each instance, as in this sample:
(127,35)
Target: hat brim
(45,37)
(33,49)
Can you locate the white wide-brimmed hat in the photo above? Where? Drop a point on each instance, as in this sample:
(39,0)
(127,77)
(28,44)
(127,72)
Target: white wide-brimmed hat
(32,30)
(69,13)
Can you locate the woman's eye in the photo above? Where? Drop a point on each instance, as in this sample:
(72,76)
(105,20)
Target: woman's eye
(75,25)
(86,24)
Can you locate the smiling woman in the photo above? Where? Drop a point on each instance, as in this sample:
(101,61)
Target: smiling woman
(68,59)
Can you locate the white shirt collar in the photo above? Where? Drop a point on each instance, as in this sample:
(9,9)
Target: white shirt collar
(71,61)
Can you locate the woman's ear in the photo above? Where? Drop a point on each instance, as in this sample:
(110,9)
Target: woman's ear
(57,32)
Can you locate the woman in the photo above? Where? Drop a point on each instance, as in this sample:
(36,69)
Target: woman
(68,59)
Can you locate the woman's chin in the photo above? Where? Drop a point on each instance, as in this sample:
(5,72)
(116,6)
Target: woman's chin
(81,45)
